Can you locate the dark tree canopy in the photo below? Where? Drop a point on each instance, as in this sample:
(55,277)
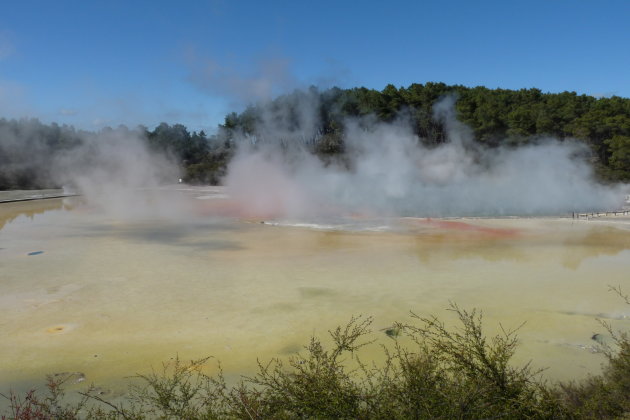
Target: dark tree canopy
(315,119)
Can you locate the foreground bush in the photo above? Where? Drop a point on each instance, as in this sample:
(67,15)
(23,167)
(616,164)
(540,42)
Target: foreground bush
(445,374)
(607,395)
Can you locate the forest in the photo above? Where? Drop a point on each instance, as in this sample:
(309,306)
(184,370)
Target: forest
(315,119)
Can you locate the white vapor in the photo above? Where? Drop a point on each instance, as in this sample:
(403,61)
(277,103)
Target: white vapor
(267,78)
(388,171)
(116,172)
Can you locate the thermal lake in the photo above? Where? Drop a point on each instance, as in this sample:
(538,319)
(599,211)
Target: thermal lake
(87,290)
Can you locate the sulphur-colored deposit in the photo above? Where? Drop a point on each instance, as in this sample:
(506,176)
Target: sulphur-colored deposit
(109,297)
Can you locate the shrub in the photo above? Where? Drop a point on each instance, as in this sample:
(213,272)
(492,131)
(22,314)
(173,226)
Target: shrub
(446,373)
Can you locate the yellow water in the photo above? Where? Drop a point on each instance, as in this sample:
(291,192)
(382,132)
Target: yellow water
(110,297)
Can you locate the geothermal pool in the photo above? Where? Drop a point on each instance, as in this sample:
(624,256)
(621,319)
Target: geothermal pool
(87,290)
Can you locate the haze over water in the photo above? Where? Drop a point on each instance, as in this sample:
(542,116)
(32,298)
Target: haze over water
(112,296)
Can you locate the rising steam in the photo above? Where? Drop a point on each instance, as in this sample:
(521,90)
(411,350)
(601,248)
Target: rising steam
(117,172)
(385,170)
(388,171)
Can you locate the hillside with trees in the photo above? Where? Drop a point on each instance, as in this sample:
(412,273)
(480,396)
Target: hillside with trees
(316,119)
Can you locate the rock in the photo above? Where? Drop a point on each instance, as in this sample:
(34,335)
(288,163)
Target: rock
(393,332)
(100,391)
(598,338)
(77,377)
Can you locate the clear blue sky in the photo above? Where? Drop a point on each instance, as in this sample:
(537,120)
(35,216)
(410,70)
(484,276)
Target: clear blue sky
(105,62)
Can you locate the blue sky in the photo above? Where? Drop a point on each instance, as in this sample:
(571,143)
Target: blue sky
(96,63)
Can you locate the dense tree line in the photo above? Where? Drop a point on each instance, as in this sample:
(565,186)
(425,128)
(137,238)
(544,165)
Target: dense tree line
(27,150)
(33,154)
(497,117)
(315,119)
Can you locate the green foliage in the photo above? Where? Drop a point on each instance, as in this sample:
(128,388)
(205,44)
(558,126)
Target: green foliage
(496,116)
(49,407)
(606,395)
(483,382)
(180,391)
(210,169)
(619,161)
(27,148)
(315,120)
(445,373)
(316,385)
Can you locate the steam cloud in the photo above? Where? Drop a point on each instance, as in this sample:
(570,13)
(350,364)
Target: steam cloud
(392,173)
(116,172)
(268,78)
(385,171)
